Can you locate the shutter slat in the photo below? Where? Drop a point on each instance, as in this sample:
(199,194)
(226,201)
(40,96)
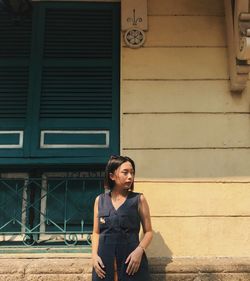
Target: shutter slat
(15,37)
(78,33)
(13,91)
(68,91)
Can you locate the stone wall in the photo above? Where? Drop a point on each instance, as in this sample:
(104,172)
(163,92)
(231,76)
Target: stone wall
(79,269)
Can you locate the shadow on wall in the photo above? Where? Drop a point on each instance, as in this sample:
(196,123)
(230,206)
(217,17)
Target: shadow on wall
(163,267)
(158,247)
(159,256)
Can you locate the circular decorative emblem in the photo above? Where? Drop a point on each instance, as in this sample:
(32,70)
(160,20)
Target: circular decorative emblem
(134,37)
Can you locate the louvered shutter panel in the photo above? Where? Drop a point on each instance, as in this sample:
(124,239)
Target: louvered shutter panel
(15,43)
(59,84)
(78,109)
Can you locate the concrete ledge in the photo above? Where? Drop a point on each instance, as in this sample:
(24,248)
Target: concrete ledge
(199,264)
(200,269)
(79,268)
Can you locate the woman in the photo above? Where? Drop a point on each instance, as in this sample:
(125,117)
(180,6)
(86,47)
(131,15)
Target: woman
(117,253)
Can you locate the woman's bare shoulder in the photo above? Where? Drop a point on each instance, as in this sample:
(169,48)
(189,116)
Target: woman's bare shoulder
(142,197)
(97,199)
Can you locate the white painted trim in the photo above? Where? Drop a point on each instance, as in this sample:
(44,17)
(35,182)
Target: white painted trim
(43,203)
(19,145)
(24,204)
(43,145)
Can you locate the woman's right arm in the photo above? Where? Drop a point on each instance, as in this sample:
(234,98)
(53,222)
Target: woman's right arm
(97,261)
(95,235)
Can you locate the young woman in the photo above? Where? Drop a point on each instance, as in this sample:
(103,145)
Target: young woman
(117,253)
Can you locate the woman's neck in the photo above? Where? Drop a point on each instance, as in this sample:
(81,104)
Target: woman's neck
(116,193)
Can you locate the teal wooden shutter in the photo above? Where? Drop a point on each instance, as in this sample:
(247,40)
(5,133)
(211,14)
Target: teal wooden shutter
(15,43)
(73,107)
(77,105)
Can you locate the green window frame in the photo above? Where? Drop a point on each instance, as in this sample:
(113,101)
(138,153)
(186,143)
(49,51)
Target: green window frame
(59,85)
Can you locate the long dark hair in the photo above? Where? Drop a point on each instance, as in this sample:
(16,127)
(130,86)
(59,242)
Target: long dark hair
(115,161)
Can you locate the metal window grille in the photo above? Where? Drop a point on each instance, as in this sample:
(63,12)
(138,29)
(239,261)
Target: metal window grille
(55,208)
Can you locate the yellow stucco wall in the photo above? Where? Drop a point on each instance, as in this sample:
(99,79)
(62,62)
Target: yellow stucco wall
(198,218)
(188,135)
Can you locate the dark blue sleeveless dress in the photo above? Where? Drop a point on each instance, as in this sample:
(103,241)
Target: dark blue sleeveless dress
(119,236)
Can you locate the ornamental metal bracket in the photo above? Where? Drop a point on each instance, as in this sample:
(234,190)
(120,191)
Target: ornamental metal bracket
(134,22)
(238,41)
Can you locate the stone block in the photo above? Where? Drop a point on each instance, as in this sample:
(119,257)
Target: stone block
(8,267)
(57,266)
(12,277)
(57,277)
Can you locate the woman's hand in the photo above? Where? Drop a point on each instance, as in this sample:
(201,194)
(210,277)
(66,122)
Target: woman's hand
(134,261)
(98,266)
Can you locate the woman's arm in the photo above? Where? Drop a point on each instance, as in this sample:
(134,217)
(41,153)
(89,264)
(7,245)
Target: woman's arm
(134,259)
(97,262)
(146,222)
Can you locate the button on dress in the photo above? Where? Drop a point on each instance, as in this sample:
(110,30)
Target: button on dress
(119,236)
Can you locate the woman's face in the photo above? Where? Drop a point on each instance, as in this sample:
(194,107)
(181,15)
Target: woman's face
(123,176)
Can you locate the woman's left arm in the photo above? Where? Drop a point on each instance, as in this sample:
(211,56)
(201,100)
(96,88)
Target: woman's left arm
(134,259)
(146,222)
